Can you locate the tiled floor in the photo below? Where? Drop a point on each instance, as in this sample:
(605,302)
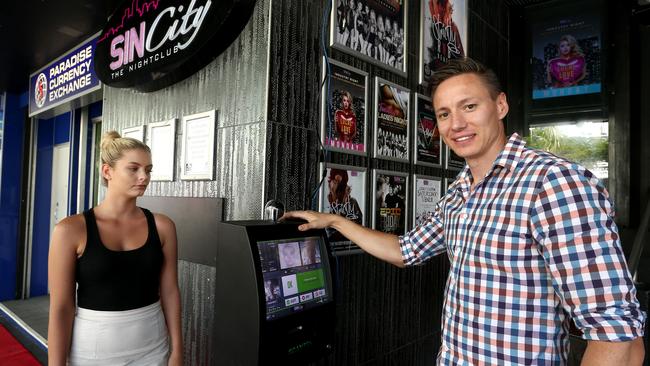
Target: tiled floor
(33,311)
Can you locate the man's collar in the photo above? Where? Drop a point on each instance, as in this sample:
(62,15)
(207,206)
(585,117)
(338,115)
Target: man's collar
(511,153)
(508,158)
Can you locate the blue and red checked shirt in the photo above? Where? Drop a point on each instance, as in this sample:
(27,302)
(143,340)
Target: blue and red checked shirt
(533,246)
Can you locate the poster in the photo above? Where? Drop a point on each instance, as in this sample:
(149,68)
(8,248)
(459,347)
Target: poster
(566,56)
(344,122)
(343,194)
(161,139)
(373,30)
(136,132)
(427,193)
(197,151)
(428,145)
(391,121)
(389,207)
(453,162)
(443,34)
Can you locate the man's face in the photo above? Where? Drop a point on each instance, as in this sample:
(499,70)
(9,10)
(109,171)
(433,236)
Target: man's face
(469,119)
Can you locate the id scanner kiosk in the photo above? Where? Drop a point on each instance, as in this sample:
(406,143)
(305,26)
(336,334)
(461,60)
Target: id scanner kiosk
(274,300)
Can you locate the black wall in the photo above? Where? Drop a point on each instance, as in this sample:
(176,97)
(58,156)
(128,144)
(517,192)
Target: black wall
(385,315)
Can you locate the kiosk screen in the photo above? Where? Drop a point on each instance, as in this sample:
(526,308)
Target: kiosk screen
(295,278)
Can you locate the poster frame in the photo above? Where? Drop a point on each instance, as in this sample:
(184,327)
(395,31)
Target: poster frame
(324,104)
(407,111)
(376,172)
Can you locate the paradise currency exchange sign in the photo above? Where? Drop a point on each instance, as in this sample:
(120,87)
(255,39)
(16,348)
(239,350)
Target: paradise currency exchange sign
(68,77)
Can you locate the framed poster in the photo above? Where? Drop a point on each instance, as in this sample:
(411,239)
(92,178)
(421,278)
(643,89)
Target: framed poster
(566,51)
(453,161)
(344,119)
(134,132)
(161,138)
(391,121)
(443,34)
(446,182)
(426,138)
(427,192)
(373,30)
(344,194)
(197,150)
(389,206)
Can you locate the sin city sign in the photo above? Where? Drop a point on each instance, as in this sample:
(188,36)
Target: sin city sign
(150,44)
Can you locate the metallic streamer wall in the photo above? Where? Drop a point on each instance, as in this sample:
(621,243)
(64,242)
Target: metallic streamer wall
(235,85)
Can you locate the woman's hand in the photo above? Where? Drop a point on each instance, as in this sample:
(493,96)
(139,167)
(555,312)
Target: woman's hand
(175,359)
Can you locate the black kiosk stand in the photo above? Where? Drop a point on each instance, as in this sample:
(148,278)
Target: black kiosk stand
(274,296)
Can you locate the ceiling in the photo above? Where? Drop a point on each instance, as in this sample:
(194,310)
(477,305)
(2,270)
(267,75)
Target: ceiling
(35,32)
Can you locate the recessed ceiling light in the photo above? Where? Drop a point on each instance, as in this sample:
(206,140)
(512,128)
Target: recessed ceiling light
(68,31)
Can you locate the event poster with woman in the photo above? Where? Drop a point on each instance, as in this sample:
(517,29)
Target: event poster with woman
(344,194)
(389,206)
(427,194)
(374,30)
(391,121)
(343,127)
(567,54)
(443,34)
(428,146)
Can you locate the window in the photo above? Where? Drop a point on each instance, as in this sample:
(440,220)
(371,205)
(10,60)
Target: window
(585,143)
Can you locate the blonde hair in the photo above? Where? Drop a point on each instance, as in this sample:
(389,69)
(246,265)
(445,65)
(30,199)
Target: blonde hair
(113,146)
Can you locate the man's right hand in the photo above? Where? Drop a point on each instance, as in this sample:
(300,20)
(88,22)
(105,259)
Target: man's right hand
(379,244)
(315,220)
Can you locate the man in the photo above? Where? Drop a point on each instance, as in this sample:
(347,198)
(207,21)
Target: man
(530,238)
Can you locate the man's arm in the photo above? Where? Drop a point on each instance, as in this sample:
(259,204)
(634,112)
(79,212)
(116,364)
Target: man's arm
(614,353)
(572,220)
(379,244)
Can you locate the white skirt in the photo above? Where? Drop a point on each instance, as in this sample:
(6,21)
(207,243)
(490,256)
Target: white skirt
(130,337)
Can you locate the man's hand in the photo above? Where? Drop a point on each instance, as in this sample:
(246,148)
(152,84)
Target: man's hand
(379,244)
(315,220)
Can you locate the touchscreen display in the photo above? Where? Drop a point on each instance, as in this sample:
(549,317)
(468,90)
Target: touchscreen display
(295,278)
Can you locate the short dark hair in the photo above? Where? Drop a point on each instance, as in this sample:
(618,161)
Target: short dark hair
(462,66)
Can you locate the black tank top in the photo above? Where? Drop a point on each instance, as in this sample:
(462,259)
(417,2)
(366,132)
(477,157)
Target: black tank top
(111,280)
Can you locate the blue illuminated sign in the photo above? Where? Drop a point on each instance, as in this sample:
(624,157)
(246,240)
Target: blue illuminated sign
(68,77)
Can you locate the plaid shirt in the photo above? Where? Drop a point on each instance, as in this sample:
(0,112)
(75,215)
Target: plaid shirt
(533,246)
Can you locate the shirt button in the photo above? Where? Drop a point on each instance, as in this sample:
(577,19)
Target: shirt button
(463,216)
(593,181)
(445,348)
(449,314)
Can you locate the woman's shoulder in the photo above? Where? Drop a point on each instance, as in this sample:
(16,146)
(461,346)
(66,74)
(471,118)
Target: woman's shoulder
(73,224)
(70,230)
(163,222)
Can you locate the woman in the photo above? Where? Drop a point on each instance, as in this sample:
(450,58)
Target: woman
(341,201)
(569,68)
(122,259)
(345,119)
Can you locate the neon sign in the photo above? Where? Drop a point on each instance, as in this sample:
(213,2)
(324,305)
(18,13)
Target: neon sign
(149,45)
